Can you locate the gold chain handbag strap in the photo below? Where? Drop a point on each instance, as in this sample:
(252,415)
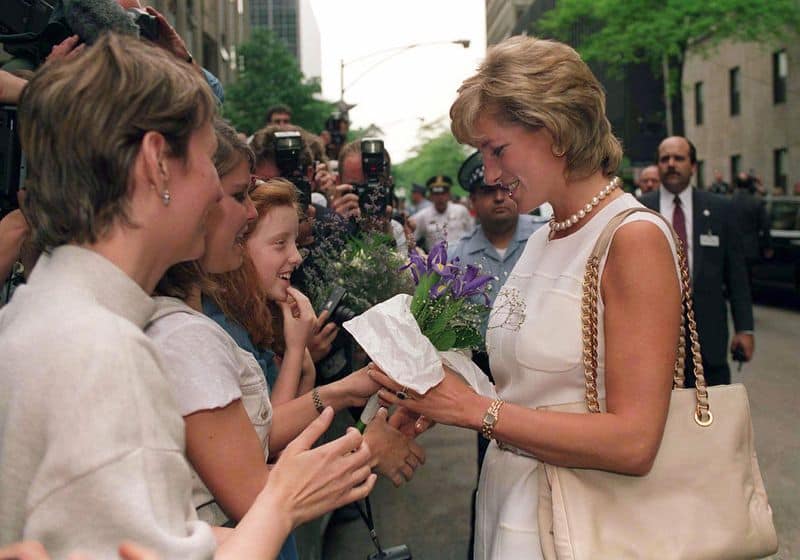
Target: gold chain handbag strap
(589,302)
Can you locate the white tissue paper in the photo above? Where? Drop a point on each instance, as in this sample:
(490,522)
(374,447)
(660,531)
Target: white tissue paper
(389,334)
(461,362)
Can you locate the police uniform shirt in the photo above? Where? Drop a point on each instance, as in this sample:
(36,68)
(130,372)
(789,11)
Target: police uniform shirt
(452,224)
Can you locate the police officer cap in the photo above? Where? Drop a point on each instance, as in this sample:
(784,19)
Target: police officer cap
(470,175)
(439,184)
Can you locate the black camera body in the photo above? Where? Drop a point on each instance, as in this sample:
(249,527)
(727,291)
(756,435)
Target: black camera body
(288,150)
(374,195)
(12,161)
(337,311)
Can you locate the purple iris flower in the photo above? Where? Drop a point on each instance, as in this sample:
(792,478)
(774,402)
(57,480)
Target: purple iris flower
(417,265)
(472,283)
(439,289)
(437,258)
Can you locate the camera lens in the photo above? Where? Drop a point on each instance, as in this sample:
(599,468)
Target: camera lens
(342,314)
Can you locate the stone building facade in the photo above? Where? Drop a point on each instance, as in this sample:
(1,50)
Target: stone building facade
(741,110)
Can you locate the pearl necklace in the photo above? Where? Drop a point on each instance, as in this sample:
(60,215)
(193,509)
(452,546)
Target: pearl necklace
(583,212)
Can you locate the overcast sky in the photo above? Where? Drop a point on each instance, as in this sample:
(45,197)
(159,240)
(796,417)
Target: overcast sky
(410,86)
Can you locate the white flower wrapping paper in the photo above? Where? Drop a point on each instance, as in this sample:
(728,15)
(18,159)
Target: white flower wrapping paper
(389,334)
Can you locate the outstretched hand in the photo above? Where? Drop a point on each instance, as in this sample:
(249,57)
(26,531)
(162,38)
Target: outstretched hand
(307,483)
(394,455)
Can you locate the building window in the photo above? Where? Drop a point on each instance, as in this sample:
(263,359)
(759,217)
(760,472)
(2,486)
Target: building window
(736,166)
(779,157)
(780,72)
(701,174)
(698,103)
(735,90)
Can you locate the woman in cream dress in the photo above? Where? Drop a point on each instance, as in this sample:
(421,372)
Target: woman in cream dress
(537,114)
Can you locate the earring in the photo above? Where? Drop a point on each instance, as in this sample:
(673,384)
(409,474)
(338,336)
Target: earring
(559,153)
(165,197)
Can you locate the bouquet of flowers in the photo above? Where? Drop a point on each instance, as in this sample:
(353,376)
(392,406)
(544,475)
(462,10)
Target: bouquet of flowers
(441,304)
(409,337)
(363,264)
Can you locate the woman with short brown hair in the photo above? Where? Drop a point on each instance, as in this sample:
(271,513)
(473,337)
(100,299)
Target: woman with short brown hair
(537,114)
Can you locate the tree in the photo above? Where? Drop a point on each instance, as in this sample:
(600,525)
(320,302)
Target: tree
(269,76)
(621,32)
(437,154)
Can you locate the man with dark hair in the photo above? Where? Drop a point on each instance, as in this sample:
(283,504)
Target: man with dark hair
(706,223)
(279,115)
(649,179)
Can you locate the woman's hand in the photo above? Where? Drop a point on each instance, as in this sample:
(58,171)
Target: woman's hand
(308,483)
(394,455)
(358,386)
(451,402)
(299,320)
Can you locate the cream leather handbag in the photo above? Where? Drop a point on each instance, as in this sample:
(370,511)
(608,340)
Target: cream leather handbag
(704,497)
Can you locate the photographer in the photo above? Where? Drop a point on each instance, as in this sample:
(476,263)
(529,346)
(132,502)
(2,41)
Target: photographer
(367,200)
(335,134)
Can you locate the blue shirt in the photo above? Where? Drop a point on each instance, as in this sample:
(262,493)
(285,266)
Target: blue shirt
(266,359)
(474,248)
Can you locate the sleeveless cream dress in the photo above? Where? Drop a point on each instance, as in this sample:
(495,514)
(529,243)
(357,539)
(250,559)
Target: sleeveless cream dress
(534,343)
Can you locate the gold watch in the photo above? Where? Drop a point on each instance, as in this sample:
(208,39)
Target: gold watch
(490,419)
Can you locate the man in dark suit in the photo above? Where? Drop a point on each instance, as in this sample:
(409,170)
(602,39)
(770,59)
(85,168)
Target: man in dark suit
(707,225)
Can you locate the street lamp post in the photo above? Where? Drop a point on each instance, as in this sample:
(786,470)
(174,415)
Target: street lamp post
(392,52)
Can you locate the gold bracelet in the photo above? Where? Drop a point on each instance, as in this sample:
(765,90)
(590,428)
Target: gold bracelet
(317,400)
(490,419)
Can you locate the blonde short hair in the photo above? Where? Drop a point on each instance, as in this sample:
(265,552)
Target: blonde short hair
(541,84)
(81,126)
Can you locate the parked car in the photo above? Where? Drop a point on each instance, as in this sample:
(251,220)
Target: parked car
(782,270)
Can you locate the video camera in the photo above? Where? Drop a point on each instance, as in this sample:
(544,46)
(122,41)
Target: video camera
(334,125)
(375,194)
(12,162)
(30,28)
(288,149)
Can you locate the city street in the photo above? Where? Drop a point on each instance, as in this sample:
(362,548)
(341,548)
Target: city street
(431,514)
